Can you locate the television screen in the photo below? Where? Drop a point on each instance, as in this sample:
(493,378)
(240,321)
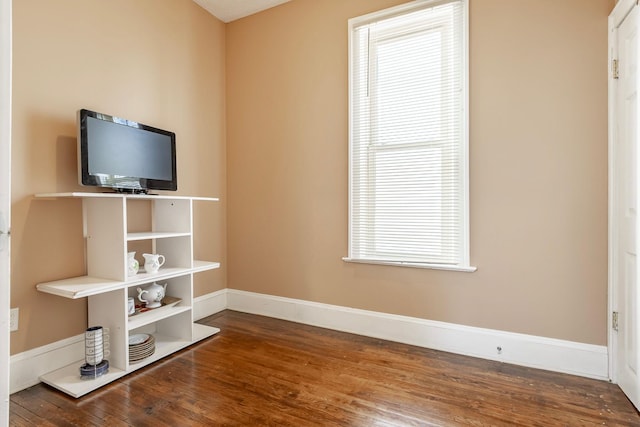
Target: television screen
(125,155)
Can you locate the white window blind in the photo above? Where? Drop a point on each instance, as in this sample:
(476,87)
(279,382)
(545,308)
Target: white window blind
(408,144)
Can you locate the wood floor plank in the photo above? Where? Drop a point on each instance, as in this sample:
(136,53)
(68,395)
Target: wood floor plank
(265,372)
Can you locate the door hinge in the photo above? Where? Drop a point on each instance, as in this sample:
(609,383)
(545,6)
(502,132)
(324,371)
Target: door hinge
(615,73)
(614,320)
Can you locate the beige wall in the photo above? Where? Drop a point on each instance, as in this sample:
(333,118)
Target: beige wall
(538,165)
(157,62)
(538,155)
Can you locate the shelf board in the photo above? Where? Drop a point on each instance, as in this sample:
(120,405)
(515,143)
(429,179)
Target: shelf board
(162,274)
(201,332)
(204,265)
(67,379)
(154,235)
(78,287)
(141,319)
(84,286)
(166,345)
(86,195)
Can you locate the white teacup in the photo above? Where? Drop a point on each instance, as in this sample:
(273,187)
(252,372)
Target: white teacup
(92,351)
(95,332)
(96,341)
(97,358)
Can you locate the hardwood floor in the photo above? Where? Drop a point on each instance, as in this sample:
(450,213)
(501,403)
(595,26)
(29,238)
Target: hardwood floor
(260,371)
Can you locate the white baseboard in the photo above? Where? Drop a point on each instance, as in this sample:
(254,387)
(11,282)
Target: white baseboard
(585,360)
(569,357)
(209,304)
(25,368)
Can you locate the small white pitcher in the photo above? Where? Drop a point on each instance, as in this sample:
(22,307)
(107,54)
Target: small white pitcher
(153,262)
(132,264)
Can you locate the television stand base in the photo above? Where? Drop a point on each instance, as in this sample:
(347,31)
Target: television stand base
(130,191)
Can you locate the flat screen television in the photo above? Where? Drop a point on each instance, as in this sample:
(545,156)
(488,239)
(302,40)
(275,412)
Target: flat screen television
(124,155)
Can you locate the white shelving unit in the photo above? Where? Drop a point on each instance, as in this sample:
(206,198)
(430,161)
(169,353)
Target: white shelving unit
(107,287)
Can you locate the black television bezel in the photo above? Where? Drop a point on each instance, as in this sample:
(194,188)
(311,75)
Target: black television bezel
(144,184)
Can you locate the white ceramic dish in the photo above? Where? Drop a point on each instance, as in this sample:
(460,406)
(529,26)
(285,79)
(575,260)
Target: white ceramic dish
(138,339)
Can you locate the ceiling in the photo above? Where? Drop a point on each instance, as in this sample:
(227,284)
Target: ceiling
(230,10)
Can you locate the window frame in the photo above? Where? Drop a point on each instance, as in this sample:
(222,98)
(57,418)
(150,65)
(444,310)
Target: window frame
(464,260)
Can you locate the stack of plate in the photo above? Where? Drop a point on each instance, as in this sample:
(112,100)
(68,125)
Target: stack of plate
(141,346)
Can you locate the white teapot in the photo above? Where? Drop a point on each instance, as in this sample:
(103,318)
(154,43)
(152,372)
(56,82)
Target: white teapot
(152,295)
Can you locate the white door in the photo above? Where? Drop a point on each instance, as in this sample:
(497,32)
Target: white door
(624,198)
(5,202)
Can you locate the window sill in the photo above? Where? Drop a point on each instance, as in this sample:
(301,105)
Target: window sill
(469,269)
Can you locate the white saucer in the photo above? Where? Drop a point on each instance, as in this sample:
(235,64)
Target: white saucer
(138,339)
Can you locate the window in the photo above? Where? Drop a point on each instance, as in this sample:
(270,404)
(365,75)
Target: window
(408,136)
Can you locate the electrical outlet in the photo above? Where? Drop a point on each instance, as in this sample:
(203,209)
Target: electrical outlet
(13,319)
